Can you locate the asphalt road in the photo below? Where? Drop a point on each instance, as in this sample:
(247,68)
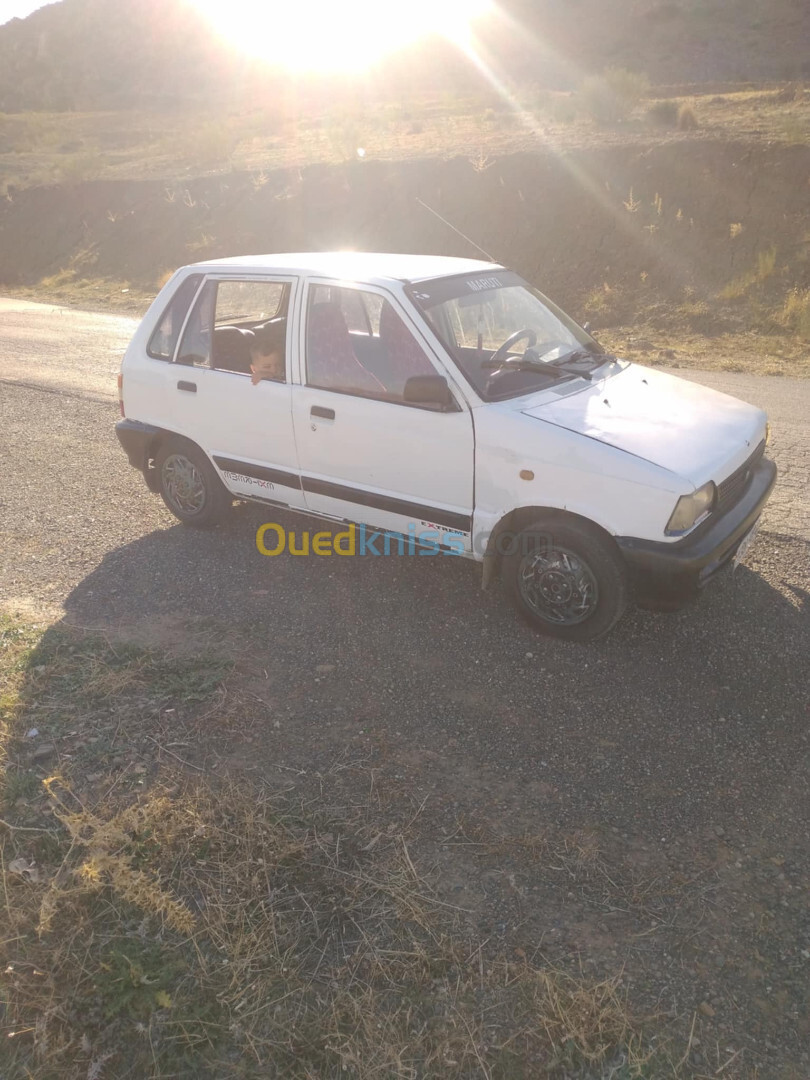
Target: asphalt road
(82,536)
(674,731)
(78,353)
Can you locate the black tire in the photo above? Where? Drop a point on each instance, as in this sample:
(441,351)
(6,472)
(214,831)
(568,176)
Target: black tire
(189,485)
(566,579)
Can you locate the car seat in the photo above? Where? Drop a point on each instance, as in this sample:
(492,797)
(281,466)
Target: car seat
(231,349)
(403,356)
(331,361)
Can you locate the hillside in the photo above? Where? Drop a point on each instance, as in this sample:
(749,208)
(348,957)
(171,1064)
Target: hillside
(101,54)
(133,141)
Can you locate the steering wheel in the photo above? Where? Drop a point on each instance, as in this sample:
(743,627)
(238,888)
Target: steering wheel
(498,358)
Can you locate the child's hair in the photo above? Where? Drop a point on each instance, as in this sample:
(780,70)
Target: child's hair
(269,339)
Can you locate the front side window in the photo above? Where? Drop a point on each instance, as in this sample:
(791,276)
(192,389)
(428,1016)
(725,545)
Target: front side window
(507,338)
(239,326)
(163,341)
(357,343)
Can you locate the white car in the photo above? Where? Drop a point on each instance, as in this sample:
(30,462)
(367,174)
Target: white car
(448,402)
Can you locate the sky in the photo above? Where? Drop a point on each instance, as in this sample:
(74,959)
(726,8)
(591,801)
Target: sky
(11,9)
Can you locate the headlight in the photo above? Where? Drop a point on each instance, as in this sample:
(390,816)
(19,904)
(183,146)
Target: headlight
(691,509)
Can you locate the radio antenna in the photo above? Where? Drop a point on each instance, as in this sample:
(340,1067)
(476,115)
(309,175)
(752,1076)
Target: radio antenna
(450,225)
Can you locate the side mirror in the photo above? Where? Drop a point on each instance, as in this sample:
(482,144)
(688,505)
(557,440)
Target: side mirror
(430,390)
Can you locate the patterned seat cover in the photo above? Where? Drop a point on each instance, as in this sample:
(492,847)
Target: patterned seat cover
(404,354)
(331,362)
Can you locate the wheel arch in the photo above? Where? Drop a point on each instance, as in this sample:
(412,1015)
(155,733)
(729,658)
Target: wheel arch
(153,448)
(521,517)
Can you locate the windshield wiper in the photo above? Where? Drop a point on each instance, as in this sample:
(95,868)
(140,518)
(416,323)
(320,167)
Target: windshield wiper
(577,355)
(527,363)
(572,361)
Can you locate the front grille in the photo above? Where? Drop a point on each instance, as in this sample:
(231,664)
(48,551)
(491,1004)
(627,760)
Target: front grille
(732,488)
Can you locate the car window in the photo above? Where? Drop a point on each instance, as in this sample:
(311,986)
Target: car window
(163,341)
(248,301)
(357,343)
(233,320)
(354,312)
(195,348)
(476,315)
(373,305)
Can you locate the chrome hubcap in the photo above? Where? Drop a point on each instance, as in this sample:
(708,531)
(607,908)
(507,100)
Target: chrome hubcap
(183,484)
(558,586)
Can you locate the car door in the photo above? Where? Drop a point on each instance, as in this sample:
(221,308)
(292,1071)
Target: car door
(245,428)
(365,453)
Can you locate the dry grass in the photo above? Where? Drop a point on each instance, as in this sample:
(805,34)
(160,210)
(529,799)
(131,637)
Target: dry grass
(164,923)
(89,293)
(611,97)
(678,345)
(795,314)
(757,275)
(687,118)
(38,148)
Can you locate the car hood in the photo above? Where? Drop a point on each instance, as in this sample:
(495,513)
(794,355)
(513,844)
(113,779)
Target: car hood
(690,430)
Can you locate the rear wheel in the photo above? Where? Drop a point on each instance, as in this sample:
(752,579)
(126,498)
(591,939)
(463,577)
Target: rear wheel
(566,579)
(189,486)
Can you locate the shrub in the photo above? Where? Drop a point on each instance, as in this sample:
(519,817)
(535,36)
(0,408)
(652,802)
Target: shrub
(795,314)
(766,263)
(345,137)
(663,113)
(25,132)
(210,144)
(739,286)
(699,317)
(540,101)
(687,118)
(794,131)
(607,305)
(611,97)
(76,168)
(563,109)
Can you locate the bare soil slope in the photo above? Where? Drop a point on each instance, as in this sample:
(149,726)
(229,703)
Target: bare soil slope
(600,230)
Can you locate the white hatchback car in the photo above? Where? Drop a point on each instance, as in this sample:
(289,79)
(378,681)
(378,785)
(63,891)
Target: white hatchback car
(446,401)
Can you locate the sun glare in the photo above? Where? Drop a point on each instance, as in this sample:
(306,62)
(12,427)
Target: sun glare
(337,35)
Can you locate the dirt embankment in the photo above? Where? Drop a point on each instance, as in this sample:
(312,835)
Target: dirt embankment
(677,221)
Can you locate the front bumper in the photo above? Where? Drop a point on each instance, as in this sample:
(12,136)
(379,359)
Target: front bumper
(678,570)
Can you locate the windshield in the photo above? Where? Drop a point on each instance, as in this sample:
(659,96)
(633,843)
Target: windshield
(475,315)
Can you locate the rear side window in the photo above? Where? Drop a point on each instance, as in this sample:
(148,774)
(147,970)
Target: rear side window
(249,302)
(164,340)
(229,318)
(195,348)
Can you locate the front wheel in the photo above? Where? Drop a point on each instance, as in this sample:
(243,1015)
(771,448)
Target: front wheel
(188,484)
(566,579)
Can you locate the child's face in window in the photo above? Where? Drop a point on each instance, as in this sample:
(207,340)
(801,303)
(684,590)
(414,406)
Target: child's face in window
(266,365)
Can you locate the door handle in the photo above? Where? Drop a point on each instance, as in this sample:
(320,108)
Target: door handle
(190,386)
(324,414)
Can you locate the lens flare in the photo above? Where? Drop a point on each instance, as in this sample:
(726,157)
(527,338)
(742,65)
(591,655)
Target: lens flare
(337,35)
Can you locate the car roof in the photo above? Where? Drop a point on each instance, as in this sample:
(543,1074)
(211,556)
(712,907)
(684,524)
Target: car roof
(366,266)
